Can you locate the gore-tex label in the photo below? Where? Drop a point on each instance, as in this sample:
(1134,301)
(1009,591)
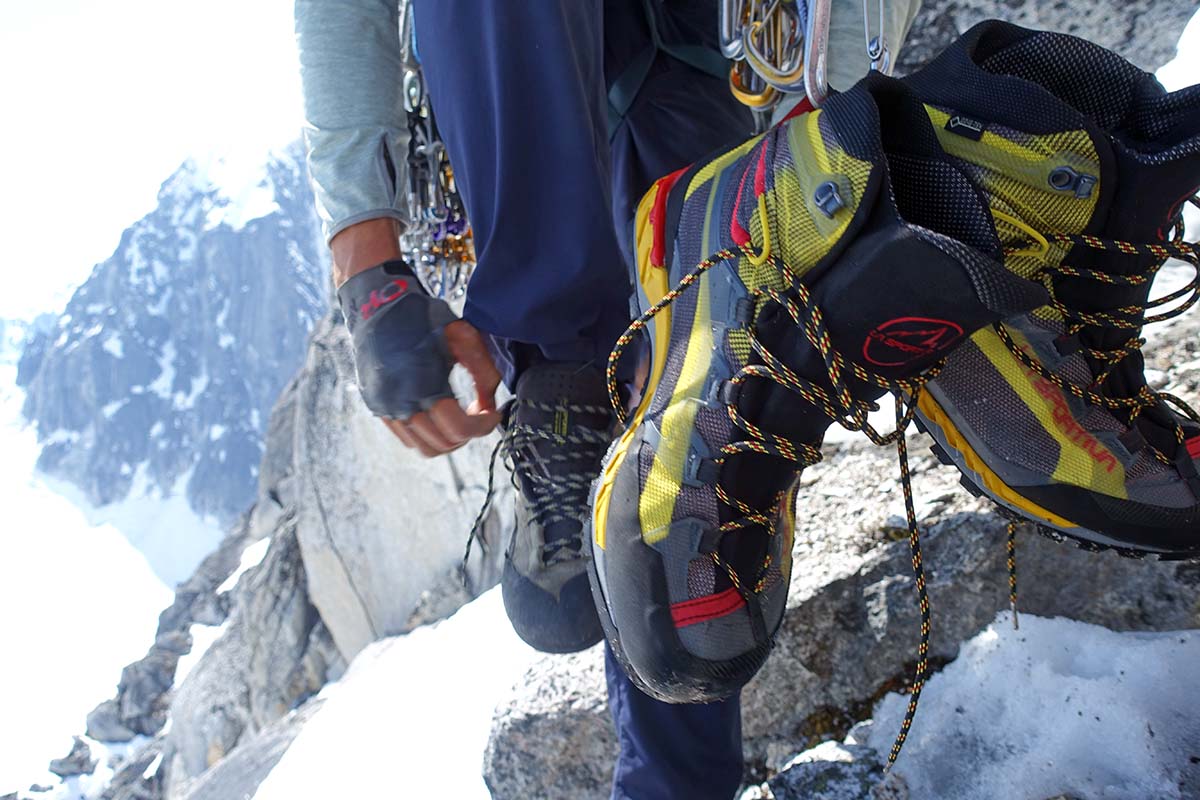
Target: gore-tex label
(965,126)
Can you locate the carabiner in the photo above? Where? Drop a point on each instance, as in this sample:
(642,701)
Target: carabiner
(786,71)
(733,15)
(816,52)
(877,46)
(742,88)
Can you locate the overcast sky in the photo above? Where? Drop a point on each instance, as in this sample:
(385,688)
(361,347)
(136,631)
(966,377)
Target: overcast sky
(101,101)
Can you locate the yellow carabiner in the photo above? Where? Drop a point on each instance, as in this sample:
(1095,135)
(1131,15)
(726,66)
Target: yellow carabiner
(755,100)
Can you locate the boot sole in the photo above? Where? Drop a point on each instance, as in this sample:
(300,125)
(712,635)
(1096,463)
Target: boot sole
(952,448)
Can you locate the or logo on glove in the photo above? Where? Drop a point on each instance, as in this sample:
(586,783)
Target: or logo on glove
(381,297)
(399,348)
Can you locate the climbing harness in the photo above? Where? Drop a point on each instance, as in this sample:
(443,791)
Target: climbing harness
(437,241)
(780,47)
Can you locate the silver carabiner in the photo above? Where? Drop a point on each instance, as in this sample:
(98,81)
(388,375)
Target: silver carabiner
(732,13)
(877,45)
(781,62)
(816,52)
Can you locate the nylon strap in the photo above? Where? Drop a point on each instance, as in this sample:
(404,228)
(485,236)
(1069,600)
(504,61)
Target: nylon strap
(628,84)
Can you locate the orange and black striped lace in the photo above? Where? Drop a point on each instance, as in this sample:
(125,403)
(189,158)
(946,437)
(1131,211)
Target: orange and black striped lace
(838,404)
(1132,318)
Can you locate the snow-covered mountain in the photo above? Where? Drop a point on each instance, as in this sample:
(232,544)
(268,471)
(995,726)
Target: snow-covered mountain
(158,377)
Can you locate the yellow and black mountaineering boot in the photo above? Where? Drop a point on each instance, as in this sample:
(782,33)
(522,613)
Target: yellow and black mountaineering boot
(1086,162)
(786,283)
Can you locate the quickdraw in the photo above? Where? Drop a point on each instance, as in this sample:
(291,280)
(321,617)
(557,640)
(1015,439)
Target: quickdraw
(437,242)
(779,47)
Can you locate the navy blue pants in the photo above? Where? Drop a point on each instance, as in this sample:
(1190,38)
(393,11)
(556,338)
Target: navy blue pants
(551,166)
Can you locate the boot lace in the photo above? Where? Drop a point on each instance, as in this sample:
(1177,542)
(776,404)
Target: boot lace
(852,414)
(552,467)
(1131,317)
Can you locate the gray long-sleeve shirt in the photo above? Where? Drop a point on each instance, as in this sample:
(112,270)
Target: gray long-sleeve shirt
(352,71)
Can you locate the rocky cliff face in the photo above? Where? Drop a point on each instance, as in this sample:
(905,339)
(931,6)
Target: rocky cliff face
(161,372)
(1143,31)
(351,538)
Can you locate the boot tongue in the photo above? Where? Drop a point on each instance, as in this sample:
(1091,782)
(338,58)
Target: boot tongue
(1157,149)
(567,401)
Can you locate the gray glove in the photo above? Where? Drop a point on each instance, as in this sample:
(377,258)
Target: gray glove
(399,349)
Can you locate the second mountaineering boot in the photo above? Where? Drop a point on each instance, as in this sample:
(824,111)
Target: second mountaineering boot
(786,283)
(555,433)
(1086,162)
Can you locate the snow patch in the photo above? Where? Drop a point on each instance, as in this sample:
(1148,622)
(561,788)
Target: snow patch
(252,556)
(1057,707)
(153,767)
(89,604)
(238,186)
(199,384)
(216,432)
(390,708)
(203,637)
(165,382)
(161,524)
(61,436)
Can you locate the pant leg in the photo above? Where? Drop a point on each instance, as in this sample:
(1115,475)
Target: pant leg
(518,90)
(670,751)
(525,121)
(680,114)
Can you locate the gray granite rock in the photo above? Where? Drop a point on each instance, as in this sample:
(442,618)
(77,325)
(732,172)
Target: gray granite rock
(830,771)
(77,762)
(139,777)
(275,653)
(104,723)
(239,774)
(377,524)
(1143,31)
(553,737)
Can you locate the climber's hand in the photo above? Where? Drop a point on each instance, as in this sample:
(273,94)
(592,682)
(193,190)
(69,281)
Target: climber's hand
(405,342)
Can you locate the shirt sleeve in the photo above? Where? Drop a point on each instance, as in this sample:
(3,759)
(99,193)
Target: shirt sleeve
(352,73)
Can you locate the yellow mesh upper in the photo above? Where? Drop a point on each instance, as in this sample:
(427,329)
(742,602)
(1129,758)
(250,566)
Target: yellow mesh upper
(802,236)
(803,233)
(1013,169)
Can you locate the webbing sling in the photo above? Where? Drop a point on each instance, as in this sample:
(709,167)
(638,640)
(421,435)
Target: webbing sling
(625,88)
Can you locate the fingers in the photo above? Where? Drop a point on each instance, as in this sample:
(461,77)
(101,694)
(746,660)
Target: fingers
(460,426)
(407,438)
(443,428)
(446,426)
(466,346)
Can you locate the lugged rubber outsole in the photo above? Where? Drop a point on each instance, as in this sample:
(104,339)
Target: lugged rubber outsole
(1079,536)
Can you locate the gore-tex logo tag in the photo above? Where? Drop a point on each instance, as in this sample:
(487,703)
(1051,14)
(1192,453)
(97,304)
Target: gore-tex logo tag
(381,297)
(965,126)
(908,339)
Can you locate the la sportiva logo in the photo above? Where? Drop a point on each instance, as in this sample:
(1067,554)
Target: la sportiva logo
(381,297)
(909,339)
